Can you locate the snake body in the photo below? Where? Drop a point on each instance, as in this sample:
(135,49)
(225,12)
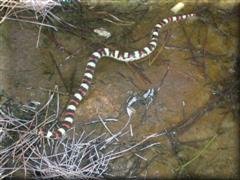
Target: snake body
(78,96)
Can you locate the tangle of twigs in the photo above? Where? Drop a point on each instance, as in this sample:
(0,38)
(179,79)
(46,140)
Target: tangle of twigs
(84,157)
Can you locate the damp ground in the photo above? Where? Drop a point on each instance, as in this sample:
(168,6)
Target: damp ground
(193,69)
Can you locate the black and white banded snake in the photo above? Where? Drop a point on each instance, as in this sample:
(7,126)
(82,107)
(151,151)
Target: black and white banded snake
(70,111)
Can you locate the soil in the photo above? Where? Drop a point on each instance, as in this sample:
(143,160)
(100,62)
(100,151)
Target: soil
(198,58)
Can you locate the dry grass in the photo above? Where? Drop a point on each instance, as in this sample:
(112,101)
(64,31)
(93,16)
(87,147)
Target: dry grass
(85,156)
(39,7)
(29,11)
